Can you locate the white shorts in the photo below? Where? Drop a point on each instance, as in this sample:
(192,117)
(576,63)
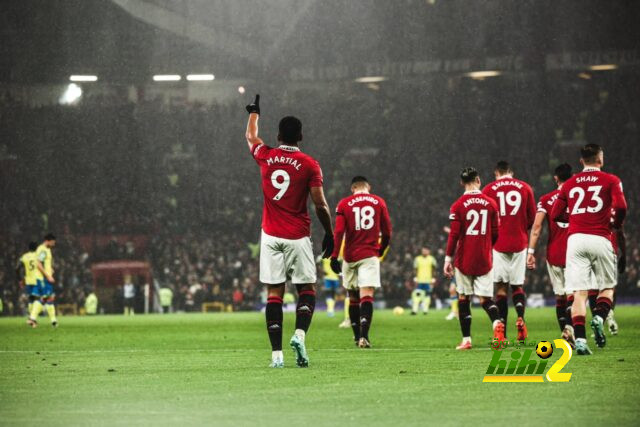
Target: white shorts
(361,274)
(509,267)
(556,277)
(591,263)
(283,259)
(481,286)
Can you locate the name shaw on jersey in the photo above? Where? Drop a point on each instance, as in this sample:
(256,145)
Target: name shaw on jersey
(503,182)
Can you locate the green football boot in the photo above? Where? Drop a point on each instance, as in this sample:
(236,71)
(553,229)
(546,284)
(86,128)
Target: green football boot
(297,344)
(582,348)
(597,325)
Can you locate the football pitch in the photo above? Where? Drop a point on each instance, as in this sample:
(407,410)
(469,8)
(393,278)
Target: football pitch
(211,369)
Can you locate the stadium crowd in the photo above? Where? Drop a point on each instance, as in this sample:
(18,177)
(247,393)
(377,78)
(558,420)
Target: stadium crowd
(179,174)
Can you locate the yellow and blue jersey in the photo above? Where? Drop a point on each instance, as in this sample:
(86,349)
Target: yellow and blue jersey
(424,266)
(45,257)
(31,273)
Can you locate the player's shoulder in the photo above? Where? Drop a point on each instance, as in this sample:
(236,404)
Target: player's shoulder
(525,184)
(487,188)
(612,177)
(260,149)
(380,200)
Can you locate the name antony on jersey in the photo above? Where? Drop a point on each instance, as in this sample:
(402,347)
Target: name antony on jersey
(503,182)
(471,201)
(362,199)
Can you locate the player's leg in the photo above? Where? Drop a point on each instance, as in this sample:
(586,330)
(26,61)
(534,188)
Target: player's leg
(517,271)
(501,263)
(605,270)
(273,275)
(611,320)
(453,298)
(298,258)
(354,313)
(426,298)
(483,288)
(274,318)
(346,321)
(50,306)
(330,296)
(592,297)
(36,304)
(578,279)
(464,286)
(368,281)
(416,297)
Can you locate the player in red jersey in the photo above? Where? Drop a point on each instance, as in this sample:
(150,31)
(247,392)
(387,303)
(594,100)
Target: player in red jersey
(288,177)
(362,219)
(556,252)
(619,242)
(586,201)
(517,208)
(474,231)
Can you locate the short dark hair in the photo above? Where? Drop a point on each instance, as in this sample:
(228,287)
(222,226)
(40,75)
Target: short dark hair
(590,152)
(290,130)
(503,167)
(468,174)
(49,236)
(358,179)
(563,172)
(33,246)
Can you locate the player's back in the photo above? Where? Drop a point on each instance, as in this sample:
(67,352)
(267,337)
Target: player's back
(558,231)
(590,198)
(517,209)
(287,176)
(31,272)
(365,217)
(478,216)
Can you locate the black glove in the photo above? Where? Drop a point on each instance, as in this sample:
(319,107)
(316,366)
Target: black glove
(335,265)
(327,246)
(622,264)
(254,107)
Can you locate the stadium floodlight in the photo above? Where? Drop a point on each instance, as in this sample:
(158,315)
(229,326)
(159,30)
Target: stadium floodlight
(72,93)
(241,89)
(83,78)
(166,78)
(481,75)
(603,67)
(371,79)
(200,77)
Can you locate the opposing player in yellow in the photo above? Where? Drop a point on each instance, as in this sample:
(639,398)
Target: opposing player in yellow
(331,285)
(32,277)
(424,264)
(44,263)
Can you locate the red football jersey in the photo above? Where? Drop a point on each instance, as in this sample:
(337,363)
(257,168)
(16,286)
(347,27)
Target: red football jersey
(361,218)
(474,228)
(517,209)
(558,231)
(287,176)
(590,196)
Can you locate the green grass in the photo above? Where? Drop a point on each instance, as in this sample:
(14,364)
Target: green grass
(212,369)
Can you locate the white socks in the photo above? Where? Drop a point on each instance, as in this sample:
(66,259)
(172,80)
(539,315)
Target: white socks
(300,334)
(277,356)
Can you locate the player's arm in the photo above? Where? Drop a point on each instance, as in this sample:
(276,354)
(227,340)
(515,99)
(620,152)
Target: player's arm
(41,257)
(324,216)
(252,125)
(495,223)
(452,242)
(531,208)
(559,211)
(622,248)
(338,235)
(536,230)
(619,205)
(385,229)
